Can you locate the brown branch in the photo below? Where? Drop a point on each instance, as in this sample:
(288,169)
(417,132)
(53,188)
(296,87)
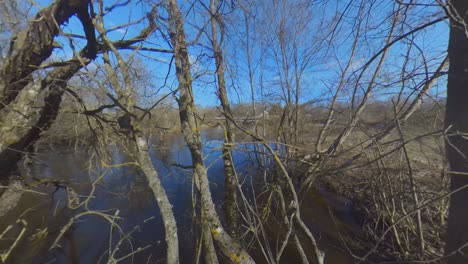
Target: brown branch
(35,44)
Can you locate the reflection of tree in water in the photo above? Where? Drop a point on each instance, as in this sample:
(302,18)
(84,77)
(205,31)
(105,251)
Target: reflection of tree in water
(161,147)
(139,195)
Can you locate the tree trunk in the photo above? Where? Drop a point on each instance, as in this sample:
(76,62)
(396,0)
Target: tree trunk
(21,124)
(154,182)
(34,45)
(456,123)
(125,92)
(230,182)
(230,248)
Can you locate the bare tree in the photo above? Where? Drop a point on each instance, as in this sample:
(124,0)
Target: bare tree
(21,123)
(229,170)
(130,124)
(343,80)
(212,229)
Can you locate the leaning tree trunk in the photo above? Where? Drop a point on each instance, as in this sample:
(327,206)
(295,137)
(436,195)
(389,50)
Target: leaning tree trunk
(24,116)
(230,182)
(125,92)
(456,124)
(35,44)
(230,248)
(21,121)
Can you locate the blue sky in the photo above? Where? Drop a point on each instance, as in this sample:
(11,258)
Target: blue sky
(322,71)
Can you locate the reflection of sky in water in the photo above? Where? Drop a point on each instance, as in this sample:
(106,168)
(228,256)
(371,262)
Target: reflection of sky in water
(124,189)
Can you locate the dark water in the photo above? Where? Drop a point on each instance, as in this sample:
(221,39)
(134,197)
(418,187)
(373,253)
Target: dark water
(124,190)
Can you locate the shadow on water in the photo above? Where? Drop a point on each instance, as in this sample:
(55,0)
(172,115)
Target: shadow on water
(124,189)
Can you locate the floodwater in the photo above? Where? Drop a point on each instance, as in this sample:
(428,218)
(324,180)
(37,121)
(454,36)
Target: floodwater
(122,191)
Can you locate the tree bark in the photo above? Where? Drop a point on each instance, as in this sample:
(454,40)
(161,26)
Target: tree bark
(21,124)
(230,248)
(154,182)
(456,124)
(230,182)
(35,44)
(126,96)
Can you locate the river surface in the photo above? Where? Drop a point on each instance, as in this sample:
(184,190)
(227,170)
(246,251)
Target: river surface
(123,191)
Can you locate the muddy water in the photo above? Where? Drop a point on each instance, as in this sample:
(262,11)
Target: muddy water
(123,189)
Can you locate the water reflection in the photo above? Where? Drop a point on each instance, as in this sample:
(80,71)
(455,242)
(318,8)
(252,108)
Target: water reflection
(121,188)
